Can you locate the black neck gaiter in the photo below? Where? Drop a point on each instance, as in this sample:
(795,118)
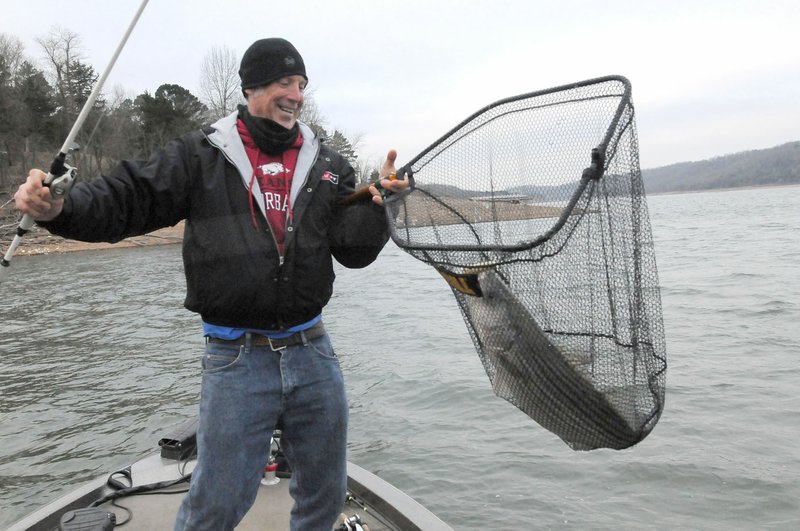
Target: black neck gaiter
(270,136)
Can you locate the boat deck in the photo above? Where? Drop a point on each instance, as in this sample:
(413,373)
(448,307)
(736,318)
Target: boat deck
(379,505)
(270,510)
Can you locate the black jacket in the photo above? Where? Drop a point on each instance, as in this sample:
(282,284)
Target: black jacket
(234,274)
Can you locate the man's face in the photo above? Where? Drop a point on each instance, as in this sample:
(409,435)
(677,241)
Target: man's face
(280,101)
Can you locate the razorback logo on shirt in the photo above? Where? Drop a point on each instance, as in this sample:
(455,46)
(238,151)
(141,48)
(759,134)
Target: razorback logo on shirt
(273,168)
(330,177)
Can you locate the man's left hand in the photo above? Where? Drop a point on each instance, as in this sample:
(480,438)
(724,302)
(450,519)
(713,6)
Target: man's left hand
(388,179)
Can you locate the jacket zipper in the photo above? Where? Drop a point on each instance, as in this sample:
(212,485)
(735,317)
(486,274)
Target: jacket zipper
(274,240)
(305,181)
(281,258)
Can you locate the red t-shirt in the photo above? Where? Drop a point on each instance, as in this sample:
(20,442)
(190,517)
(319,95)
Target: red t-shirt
(274,174)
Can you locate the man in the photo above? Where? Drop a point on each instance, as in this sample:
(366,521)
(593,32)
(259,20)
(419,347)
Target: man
(262,200)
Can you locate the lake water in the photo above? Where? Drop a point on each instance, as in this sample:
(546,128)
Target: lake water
(98,356)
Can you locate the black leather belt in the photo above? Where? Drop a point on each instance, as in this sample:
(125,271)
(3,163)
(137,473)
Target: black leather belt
(257,340)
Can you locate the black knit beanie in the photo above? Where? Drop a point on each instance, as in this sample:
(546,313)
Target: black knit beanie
(267,60)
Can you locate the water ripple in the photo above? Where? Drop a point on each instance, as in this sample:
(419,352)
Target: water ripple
(98,357)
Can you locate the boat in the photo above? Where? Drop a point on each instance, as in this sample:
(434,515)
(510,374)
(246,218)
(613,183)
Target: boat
(119,498)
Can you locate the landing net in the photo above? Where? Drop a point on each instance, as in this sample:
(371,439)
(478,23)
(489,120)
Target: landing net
(533,209)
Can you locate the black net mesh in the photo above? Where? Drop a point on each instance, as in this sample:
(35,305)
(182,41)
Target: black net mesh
(533,210)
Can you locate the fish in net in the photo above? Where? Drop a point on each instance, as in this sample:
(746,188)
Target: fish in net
(533,209)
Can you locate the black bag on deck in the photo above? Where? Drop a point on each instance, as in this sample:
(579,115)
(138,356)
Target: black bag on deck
(89,519)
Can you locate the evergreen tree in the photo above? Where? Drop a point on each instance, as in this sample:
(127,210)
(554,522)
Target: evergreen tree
(120,130)
(167,114)
(36,97)
(6,123)
(340,143)
(40,102)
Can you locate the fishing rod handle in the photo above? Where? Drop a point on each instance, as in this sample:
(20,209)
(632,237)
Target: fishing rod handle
(24,226)
(364,193)
(59,180)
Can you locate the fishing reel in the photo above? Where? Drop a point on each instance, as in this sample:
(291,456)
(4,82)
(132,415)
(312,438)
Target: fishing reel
(62,175)
(352,523)
(60,185)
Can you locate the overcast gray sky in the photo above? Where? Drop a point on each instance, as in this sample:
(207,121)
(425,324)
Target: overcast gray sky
(710,77)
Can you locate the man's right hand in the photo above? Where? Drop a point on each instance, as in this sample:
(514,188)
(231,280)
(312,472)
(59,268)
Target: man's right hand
(34,198)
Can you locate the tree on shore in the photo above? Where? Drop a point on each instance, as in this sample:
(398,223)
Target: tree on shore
(168,113)
(219,82)
(40,100)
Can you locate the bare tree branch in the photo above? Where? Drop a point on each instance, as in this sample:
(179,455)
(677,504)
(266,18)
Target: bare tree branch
(12,51)
(311,115)
(219,81)
(61,47)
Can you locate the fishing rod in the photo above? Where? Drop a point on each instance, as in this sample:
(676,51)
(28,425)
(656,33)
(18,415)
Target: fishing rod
(61,175)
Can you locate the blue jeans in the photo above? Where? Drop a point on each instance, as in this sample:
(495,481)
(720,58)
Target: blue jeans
(244,391)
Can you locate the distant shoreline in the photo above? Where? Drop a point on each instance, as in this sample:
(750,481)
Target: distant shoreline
(39,241)
(732,189)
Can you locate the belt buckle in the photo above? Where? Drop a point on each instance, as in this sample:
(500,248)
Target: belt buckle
(275,349)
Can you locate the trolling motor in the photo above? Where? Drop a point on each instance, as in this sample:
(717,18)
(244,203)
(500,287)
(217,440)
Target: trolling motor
(62,176)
